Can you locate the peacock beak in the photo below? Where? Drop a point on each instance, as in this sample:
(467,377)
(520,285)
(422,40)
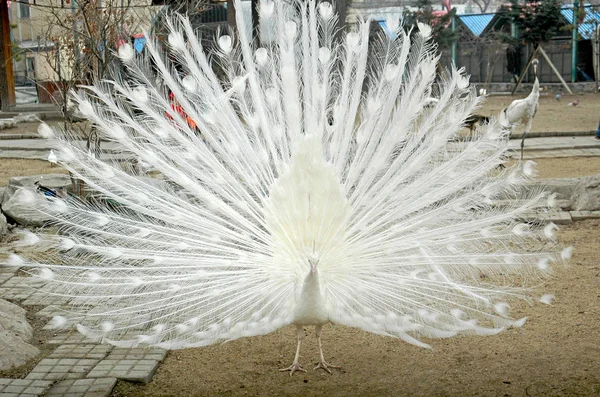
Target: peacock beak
(313,265)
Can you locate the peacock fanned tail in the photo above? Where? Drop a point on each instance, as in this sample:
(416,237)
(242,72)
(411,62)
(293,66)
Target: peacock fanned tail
(225,173)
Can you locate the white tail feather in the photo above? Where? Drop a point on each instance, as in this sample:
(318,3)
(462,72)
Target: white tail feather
(319,154)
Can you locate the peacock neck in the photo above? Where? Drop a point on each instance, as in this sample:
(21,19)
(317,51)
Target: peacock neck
(310,309)
(311,287)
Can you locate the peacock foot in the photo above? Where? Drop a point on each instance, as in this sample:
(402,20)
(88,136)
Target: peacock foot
(293,368)
(325,365)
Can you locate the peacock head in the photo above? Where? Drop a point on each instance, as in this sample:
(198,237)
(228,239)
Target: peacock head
(313,261)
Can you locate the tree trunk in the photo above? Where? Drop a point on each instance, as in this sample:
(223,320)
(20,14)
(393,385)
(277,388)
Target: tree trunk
(7,77)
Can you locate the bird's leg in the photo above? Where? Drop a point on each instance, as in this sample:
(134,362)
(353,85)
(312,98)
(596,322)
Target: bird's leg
(322,363)
(525,132)
(296,365)
(522,145)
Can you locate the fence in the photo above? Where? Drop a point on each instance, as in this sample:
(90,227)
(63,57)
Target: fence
(489,60)
(492,63)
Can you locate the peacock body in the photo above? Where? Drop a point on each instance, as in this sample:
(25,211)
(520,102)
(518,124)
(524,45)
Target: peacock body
(313,186)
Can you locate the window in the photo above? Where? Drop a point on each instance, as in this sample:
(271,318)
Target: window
(24,11)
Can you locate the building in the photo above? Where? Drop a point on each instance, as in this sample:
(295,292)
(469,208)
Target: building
(53,38)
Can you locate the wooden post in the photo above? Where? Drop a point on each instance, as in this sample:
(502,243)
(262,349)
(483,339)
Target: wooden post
(454,41)
(574,41)
(231,14)
(7,76)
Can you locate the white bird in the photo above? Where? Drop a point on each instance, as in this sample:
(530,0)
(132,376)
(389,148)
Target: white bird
(522,111)
(52,157)
(319,190)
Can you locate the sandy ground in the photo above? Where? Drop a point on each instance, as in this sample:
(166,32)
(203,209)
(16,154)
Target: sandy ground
(553,115)
(567,167)
(556,353)
(20,167)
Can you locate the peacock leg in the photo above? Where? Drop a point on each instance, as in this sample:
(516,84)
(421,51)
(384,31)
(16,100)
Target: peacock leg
(322,363)
(296,365)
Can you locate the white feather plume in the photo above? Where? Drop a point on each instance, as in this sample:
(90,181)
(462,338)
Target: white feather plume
(316,147)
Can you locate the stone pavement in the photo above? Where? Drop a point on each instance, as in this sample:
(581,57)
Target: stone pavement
(77,367)
(535,147)
(40,148)
(564,146)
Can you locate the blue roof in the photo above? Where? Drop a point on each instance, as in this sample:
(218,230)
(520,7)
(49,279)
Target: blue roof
(387,31)
(591,21)
(476,23)
(139,44)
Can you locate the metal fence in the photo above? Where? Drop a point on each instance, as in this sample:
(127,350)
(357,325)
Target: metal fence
(496,63)
(488,60)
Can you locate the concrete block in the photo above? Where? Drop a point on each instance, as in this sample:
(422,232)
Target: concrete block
(88,387)
(23,387)
(137,371)
(59,369)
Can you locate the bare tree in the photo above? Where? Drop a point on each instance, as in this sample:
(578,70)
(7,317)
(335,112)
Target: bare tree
(80,39)
(483,4)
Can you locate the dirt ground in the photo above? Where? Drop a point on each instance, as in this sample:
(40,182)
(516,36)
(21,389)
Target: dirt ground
(556,353)
(20,167)
(553,115)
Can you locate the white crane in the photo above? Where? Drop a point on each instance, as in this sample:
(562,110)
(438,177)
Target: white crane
(522,111)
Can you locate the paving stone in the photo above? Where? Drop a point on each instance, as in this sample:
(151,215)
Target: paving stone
(20,288)
(52,310)
(62,368)
(135,371)
(558,217)
(137,353)
(7,273)
(581,215)
(43,299)
(88,387)
(69,337)
(134,364)
(81,351)
(23,387)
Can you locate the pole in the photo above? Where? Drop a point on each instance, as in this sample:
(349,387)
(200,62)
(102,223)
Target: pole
(454,41)
(7,76)
(255,22)
(574,46)
(231,14)
(75,40)
(596,55)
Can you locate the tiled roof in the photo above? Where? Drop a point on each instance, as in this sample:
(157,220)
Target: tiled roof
(476,23)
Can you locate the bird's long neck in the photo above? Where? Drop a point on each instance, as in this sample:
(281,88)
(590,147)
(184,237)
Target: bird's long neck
(535,91)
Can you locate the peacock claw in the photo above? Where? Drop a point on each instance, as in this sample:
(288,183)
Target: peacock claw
(293,368)
(325,365)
